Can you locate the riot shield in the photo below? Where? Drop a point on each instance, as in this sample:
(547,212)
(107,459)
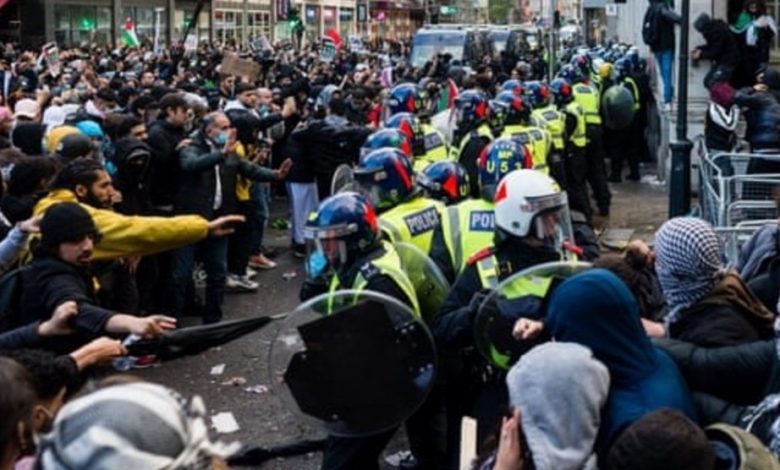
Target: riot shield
(617,107)
(354,363)
(429,283)
(343,179)
(523,295)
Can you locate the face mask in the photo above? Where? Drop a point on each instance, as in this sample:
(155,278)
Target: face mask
(221,138)
(316,263)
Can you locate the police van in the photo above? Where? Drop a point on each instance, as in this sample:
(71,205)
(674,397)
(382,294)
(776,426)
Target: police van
(464,45)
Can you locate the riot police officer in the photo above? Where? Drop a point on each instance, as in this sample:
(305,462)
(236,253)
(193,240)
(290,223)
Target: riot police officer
(391,138)
(546,115)
(468,226)
(625,143)
(446,182)
(472,133)
(588,97)
(519,127)
(387,178)
(346,252)
(531,224)
(576,142)
(429,145)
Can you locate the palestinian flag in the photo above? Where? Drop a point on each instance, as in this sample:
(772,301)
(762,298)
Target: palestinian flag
(128,33)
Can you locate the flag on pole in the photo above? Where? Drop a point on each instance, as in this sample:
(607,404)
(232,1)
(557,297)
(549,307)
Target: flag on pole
(128,33)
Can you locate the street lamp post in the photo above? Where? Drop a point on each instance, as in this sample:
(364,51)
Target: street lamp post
(680,174)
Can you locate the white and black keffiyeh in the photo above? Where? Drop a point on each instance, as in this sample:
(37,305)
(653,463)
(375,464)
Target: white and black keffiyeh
(138,425)
(688,261)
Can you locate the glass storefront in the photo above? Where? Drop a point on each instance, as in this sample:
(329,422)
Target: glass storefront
(143,18)
(346,22)
(182,18)
(76,24)
(328,18)
(229,24)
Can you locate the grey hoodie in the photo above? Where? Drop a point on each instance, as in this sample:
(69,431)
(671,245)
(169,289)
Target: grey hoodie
(560,390)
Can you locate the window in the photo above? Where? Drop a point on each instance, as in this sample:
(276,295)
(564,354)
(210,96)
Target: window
(75,24)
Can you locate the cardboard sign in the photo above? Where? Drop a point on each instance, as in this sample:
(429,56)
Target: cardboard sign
(245,68)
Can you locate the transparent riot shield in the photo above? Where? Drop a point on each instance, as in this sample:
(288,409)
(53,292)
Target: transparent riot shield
(523,295)
(354,363)
(429,283)
(343,179)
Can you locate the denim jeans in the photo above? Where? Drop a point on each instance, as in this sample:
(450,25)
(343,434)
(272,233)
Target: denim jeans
(213,253)
(664,59)
(260,195)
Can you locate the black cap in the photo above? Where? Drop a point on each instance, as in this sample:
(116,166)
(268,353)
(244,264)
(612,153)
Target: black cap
(73,146)
(66,222)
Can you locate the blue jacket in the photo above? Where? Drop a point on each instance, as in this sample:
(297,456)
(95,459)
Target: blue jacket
(761,247)
(597,310)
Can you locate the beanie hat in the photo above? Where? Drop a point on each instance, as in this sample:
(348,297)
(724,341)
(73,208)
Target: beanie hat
(135,425)
(66,222)
(722,94)
(662,439)
(73,146)
(772,79)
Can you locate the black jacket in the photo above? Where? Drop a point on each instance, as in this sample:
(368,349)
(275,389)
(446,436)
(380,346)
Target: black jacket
(329,145)
(48,282)
(164,168)
(199,180)
(720,47)
(668,18)
(453,325)
(763,118)
(132,158)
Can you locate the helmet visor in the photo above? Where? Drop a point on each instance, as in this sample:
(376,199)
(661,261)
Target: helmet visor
(324,255)
(552,223)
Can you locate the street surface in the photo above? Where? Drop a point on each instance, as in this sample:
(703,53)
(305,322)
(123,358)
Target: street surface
(262,418)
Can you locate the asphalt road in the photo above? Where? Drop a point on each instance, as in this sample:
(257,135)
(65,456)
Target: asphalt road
(262,418)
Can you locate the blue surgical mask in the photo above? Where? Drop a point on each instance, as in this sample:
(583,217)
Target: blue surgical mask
(316,263)
(221,138)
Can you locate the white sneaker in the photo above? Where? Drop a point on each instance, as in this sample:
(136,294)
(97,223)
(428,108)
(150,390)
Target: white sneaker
(240,283)
(250,273)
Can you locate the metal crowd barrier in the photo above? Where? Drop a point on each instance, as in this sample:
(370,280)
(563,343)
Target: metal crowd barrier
(735,202)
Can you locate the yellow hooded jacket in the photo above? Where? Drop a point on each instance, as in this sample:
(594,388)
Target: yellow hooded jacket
(124,235)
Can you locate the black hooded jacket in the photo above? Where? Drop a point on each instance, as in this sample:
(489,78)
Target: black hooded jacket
(720,47)
(763,118)
(132,159)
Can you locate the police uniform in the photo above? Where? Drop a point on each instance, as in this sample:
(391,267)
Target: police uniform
(554,122)
(625,144)
(536,139)
(466,228)
(575,160)
(468,150)
(412,222)
(379,271)
(588,97)
(476,389)
(435,146)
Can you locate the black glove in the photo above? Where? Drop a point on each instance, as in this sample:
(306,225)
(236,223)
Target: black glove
(313,287)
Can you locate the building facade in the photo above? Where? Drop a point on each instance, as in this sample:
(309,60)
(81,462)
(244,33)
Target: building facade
(35,22)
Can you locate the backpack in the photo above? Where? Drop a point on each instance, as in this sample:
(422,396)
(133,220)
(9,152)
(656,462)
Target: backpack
(651,27)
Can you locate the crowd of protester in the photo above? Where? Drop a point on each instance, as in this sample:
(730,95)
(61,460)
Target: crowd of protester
(134,182)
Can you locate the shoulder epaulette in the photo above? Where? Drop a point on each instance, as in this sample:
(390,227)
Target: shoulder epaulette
(480,255)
